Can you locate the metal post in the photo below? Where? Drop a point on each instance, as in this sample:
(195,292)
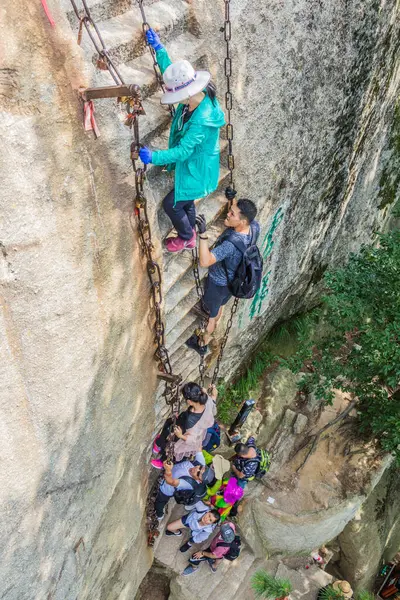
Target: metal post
(245,410)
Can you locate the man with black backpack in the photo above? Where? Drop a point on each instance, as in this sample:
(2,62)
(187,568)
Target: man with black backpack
(235,263)
(225,545)
(185,481)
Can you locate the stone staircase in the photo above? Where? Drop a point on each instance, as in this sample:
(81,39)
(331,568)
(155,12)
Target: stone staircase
(120,25)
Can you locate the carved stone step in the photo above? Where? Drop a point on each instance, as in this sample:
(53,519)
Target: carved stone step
(185,284)
(123,35)
(176,337)
(101,10)
(178,267)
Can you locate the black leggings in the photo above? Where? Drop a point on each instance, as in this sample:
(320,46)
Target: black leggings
(160,503)
(182,215)
(162,438)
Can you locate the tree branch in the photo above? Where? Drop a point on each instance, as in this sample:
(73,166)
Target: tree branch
(314,438)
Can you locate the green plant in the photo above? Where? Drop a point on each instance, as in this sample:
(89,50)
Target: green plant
(329,593)
(364,595)
(232,396)
(352,342)
(265,585)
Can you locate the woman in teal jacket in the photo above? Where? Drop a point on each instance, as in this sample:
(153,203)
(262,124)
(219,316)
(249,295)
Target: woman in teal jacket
(193,142)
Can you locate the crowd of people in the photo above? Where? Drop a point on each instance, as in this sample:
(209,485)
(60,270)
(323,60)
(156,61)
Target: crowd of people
(208,485)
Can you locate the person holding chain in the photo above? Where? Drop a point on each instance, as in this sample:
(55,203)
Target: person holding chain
(222,261)
(193,142)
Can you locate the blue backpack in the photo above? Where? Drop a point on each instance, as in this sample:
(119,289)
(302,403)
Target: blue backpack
(213,438)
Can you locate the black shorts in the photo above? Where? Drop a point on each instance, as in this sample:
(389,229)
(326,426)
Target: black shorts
(215,296)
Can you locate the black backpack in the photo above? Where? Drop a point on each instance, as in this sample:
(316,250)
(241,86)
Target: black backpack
(198,491)
(234,548)
(247,278)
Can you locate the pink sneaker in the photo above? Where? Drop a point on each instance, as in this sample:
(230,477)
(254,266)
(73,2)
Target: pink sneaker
(157,464)
(177,244)
(156,449)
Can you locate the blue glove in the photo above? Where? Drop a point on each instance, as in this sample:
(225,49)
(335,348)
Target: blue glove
(154,40)
(145,155)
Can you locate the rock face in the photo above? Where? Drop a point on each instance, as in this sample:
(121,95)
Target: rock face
(271,530)
(373,534)
(314,85)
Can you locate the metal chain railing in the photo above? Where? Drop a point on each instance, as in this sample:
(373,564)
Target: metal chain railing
(156,68)
(104,61)
(201,330)
(227,30)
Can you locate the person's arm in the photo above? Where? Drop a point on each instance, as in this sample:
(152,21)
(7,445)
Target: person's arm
(162,57)
(168,475)
(214,392)
(179,434)
(238,473)
(194,135)
(202,553)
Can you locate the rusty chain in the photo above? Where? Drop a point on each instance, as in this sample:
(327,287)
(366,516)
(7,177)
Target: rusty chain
(156,68)
(227,29)
(104,61)
(200,331)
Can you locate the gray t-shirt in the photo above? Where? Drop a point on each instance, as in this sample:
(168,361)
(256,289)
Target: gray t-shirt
(231,255)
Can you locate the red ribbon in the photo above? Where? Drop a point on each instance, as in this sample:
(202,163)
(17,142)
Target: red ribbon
(48,14)
(89,120)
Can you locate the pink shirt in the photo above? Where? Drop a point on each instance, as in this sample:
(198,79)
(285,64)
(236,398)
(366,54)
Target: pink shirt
(220,551)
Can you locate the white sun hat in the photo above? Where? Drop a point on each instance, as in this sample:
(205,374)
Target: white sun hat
(182,81)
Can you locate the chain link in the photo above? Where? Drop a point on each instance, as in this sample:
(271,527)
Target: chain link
(224,340)
(201,330)
(104,61)
(227,29)
(156,68)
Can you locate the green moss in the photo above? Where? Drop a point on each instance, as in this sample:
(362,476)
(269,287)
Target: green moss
(281,341)
(389,183)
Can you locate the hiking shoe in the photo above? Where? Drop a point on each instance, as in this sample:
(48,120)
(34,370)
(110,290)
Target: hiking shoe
(156,449)
(177,244)
(189,570)
(185,547)
(212,567)
(193,343)
(157,464)
(167,532)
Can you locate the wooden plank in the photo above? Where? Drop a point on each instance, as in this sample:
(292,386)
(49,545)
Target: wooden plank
(169,378)
(110,91)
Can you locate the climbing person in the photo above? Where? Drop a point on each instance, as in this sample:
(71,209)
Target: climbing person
(246,461)
(201,525)
(218,549)
(193,142)
(241,232)
(191,425)
(185,481)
